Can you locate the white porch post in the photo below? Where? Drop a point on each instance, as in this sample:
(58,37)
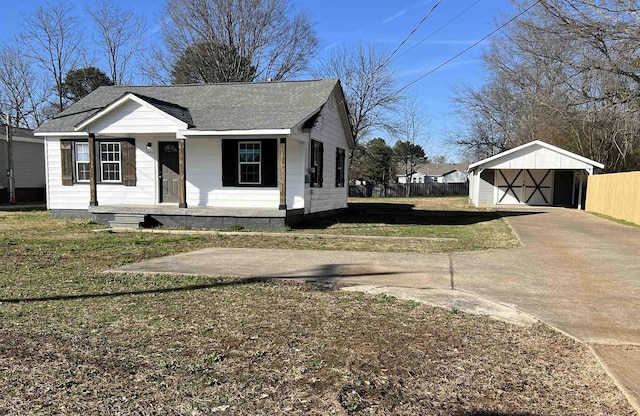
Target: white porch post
(282,155)
(476,188)
(93,192)
(580,192)
(182,185)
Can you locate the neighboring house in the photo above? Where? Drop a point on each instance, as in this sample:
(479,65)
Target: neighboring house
(204,156)
(28,166)
(437,173)
(535,173)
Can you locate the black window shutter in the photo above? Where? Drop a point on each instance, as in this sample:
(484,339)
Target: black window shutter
(339,167)
(317,162)
(229,162)
(66,154)
(321,165)
(128,162)
(270,162)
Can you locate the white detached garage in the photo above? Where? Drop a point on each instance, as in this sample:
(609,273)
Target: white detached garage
(535,173)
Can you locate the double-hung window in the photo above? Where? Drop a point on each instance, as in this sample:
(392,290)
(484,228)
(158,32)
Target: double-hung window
(82,161)
(249,162)
(110,166)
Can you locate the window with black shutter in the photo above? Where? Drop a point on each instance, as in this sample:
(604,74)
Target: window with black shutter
(316,161)
(340,157)
(250,163)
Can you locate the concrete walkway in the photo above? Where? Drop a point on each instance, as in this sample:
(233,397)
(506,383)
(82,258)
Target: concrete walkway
(576,272)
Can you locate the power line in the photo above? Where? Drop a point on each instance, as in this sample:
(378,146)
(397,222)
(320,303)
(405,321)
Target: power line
(411,33)
(441,27)
(469,48)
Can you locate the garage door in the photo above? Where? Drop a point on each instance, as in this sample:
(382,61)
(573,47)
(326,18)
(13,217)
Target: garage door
(524,186)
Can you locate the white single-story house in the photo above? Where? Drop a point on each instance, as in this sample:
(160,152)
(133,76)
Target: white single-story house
(437,173)
(22,177)
(204,156)
(535,173)
(416,177)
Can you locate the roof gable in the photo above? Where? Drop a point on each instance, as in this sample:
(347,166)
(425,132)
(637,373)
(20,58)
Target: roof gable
(536,155)
(161,112)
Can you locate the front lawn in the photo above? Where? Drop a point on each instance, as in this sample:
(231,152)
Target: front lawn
(448,217)
(76,340)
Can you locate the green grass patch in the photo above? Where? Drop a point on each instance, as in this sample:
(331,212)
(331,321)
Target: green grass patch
(445,217)
(614,219)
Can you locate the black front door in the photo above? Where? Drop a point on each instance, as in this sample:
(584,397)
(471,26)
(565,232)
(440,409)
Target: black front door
(169,171)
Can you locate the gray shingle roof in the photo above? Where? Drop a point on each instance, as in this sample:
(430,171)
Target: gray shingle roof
(439,169)
(17,132)
(217,107)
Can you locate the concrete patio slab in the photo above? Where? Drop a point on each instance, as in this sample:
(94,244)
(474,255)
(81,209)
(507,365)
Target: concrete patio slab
(390,269)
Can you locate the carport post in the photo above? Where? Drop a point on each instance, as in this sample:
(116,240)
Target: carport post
(573,188)
(476,188)
(580,193)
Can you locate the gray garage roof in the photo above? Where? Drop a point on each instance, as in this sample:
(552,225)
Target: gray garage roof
(212,107)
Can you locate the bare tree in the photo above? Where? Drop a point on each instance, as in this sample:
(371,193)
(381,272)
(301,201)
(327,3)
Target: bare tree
(369,83)
(567,74)
(412,138)
(155,66)
(23,92)
(52,38)
(120,34)
(211,64)
(275,39)
(413,124)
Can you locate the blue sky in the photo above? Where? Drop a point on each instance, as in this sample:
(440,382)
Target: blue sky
(384,23)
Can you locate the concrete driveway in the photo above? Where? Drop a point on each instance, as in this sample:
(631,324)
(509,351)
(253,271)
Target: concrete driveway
(576,272)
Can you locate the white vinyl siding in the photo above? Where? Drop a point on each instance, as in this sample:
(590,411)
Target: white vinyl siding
(134,118)
(332,135)
(204,180)
(77,196)
(537,157)
(486,187)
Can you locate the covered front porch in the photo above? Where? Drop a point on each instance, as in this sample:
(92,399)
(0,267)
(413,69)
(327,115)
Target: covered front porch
(184,173)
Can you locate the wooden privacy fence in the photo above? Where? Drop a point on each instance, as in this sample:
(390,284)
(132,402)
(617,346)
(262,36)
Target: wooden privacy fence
(616,195)
(417,189)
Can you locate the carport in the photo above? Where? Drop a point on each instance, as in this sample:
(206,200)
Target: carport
(535,173)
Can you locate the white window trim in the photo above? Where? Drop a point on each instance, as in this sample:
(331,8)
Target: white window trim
(240,163)
(118,162)
(77,164)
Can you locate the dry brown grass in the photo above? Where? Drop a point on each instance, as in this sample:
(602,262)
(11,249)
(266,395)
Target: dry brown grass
(74,340)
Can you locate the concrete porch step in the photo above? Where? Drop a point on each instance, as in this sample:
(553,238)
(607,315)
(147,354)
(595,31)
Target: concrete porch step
(127,221)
